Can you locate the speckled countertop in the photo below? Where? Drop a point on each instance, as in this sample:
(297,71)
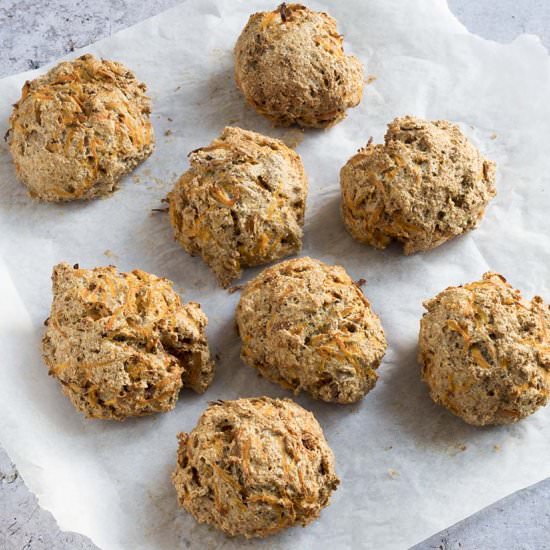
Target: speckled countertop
(34,32)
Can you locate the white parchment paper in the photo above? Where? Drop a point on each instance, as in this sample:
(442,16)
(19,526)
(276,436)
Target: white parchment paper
(408,467)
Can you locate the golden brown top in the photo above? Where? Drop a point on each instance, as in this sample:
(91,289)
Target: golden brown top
(290,65)
(241,203)
(307,326)
(77,129)
(485,351)
(121,344)
(252,467)
(426,184)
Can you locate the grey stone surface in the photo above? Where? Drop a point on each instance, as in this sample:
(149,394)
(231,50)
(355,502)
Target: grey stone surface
(503,20)
(518,522)
(23,524)
(33,32)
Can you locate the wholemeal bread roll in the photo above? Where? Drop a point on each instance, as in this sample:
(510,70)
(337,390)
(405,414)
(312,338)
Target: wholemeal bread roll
(253,467)
(291,67)
(307,326)
(123,344)
(425,185)
(485,351)
(79,128)
(241,203)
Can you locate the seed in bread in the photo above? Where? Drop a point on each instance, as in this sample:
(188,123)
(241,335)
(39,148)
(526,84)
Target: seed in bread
(79,128)
(241,203)
(425,185)
(307,326)
(485,351)
(123,344)
(253,467)
(291,67)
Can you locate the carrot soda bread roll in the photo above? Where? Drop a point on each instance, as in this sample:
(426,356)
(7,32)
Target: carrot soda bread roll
(123,344)
(307,326)
(79,128)
(485,351)
(425,185)
(253,467)
(291,67)
(241,203)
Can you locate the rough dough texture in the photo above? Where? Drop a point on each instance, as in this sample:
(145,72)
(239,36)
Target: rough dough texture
(307,326)
(425,185)
(241,203)
(253,467)
(291,67)
(79,128)
(123,344)
(485,351)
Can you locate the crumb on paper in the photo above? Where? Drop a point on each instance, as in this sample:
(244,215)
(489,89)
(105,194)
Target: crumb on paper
(293,138)
(497,448)
(219,52)
(168,132)
(110,254)
(360,282)
(169,119)
(456,448)
(157,183)
(493,136)
(370,79)
(235,288)
(388,448)
(393,474)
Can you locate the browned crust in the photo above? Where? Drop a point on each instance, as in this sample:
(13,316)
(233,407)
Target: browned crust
(253,467)
(241,203)
(79,128)
(123,344)
(485,351)
(291,67)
